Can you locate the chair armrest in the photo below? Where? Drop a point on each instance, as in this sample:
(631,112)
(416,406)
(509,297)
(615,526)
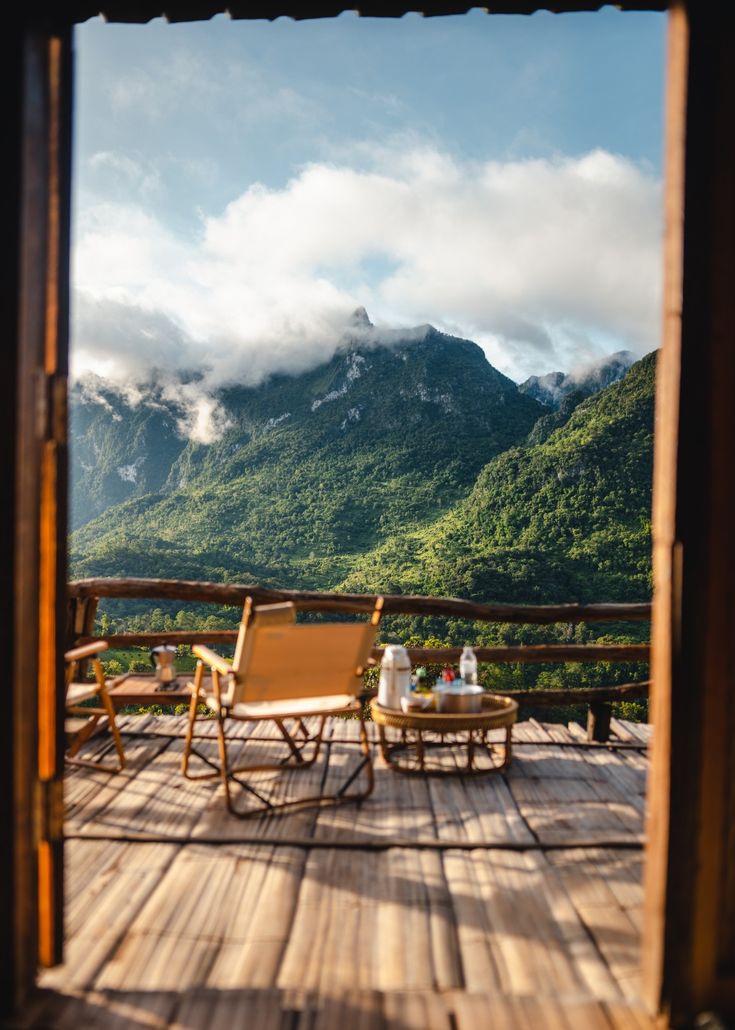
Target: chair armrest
(212,659)
(85,651)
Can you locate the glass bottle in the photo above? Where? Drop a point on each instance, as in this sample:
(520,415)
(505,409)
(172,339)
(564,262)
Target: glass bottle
(468,666)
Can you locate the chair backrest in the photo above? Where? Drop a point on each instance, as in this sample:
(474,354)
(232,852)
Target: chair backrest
(281,614)
(280,660)
(84,652)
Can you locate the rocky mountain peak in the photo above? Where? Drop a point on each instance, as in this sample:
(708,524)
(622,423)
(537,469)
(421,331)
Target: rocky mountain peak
(359,319)
(551,389)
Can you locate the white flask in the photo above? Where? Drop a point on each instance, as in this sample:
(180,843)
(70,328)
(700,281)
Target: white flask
(468,666)
(395,676)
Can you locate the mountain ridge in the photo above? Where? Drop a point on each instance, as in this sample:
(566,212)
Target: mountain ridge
(323,464)
(554,387)
(407,467)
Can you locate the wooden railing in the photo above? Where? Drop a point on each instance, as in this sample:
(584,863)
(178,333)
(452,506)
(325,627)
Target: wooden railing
(85,594)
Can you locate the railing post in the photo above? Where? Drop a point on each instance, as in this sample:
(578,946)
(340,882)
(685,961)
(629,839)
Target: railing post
(598,721)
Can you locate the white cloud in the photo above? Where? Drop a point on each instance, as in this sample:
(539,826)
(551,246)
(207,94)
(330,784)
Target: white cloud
(546,263)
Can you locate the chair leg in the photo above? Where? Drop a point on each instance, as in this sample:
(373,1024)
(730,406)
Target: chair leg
(109,708)
(366,763)
(189,749)
(292,745)
(85,732)
(229,774)
(99,673)
(94,716)
(193,703)
(224,768)
(295,750)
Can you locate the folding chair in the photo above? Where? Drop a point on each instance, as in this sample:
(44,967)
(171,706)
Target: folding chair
(284,672)
(76,693)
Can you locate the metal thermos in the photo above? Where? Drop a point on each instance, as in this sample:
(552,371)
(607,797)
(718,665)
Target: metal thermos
(395,676)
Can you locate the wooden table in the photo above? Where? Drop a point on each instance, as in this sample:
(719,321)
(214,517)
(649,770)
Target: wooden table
(143,689)
(464,738)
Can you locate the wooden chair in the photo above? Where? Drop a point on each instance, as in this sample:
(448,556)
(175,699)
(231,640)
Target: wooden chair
(286,673)
(76,693)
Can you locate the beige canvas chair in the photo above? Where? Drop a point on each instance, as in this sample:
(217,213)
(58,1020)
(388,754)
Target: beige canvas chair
(76,693)
(284,672)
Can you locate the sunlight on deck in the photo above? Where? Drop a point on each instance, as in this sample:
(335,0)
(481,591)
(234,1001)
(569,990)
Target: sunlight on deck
(437,903)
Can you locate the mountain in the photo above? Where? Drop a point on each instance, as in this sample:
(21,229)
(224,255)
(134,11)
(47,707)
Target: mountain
(313,471)
(119,449)
(552,389)
(564,517)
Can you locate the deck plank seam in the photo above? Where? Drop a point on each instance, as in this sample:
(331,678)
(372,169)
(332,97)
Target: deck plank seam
(445,882)
(631,843)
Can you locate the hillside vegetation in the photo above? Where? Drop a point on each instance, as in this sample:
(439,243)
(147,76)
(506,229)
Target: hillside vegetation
(566,518)
(313,472)
(414,468)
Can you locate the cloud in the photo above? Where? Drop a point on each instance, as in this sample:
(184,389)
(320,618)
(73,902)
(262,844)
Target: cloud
(194,84)
(546,263)
(137,173)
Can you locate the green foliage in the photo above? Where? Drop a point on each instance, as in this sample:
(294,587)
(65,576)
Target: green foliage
(113,668)
(567,519)
(632,711)
(313,472)
(415,469)
(139,665)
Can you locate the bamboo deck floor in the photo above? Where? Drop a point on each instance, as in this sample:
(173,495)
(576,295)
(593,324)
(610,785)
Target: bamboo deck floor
(512,900)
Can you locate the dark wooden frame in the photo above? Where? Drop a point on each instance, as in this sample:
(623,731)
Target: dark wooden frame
(689,939)
(34,364)
(690,888)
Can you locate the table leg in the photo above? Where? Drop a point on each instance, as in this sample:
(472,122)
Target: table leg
(420,750)
(470,750)
(508,747)
(383,744)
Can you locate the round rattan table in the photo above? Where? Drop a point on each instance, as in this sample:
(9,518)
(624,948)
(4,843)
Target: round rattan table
(417,737)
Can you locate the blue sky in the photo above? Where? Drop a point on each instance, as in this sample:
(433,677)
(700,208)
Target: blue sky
(239,185)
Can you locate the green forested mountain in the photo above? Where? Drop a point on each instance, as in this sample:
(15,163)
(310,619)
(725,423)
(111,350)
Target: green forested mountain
(411,468)
(563,517)
(313,472)
(414,467)
(119,450)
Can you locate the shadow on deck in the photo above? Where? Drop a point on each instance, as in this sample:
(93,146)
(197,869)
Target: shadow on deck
(508,900)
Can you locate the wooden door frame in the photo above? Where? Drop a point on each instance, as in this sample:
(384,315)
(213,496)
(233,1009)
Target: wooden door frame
(689,952)
(36,73)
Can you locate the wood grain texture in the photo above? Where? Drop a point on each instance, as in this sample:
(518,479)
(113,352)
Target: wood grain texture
(690,899)
(345,914)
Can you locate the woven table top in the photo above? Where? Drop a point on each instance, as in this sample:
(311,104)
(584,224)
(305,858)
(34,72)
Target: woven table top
(497,711)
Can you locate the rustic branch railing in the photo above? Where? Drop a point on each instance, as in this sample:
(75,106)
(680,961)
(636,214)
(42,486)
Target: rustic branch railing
(84,596)
(395,604)
(520,653)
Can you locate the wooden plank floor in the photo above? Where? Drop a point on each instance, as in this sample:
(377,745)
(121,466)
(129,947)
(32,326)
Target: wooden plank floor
(507,900)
